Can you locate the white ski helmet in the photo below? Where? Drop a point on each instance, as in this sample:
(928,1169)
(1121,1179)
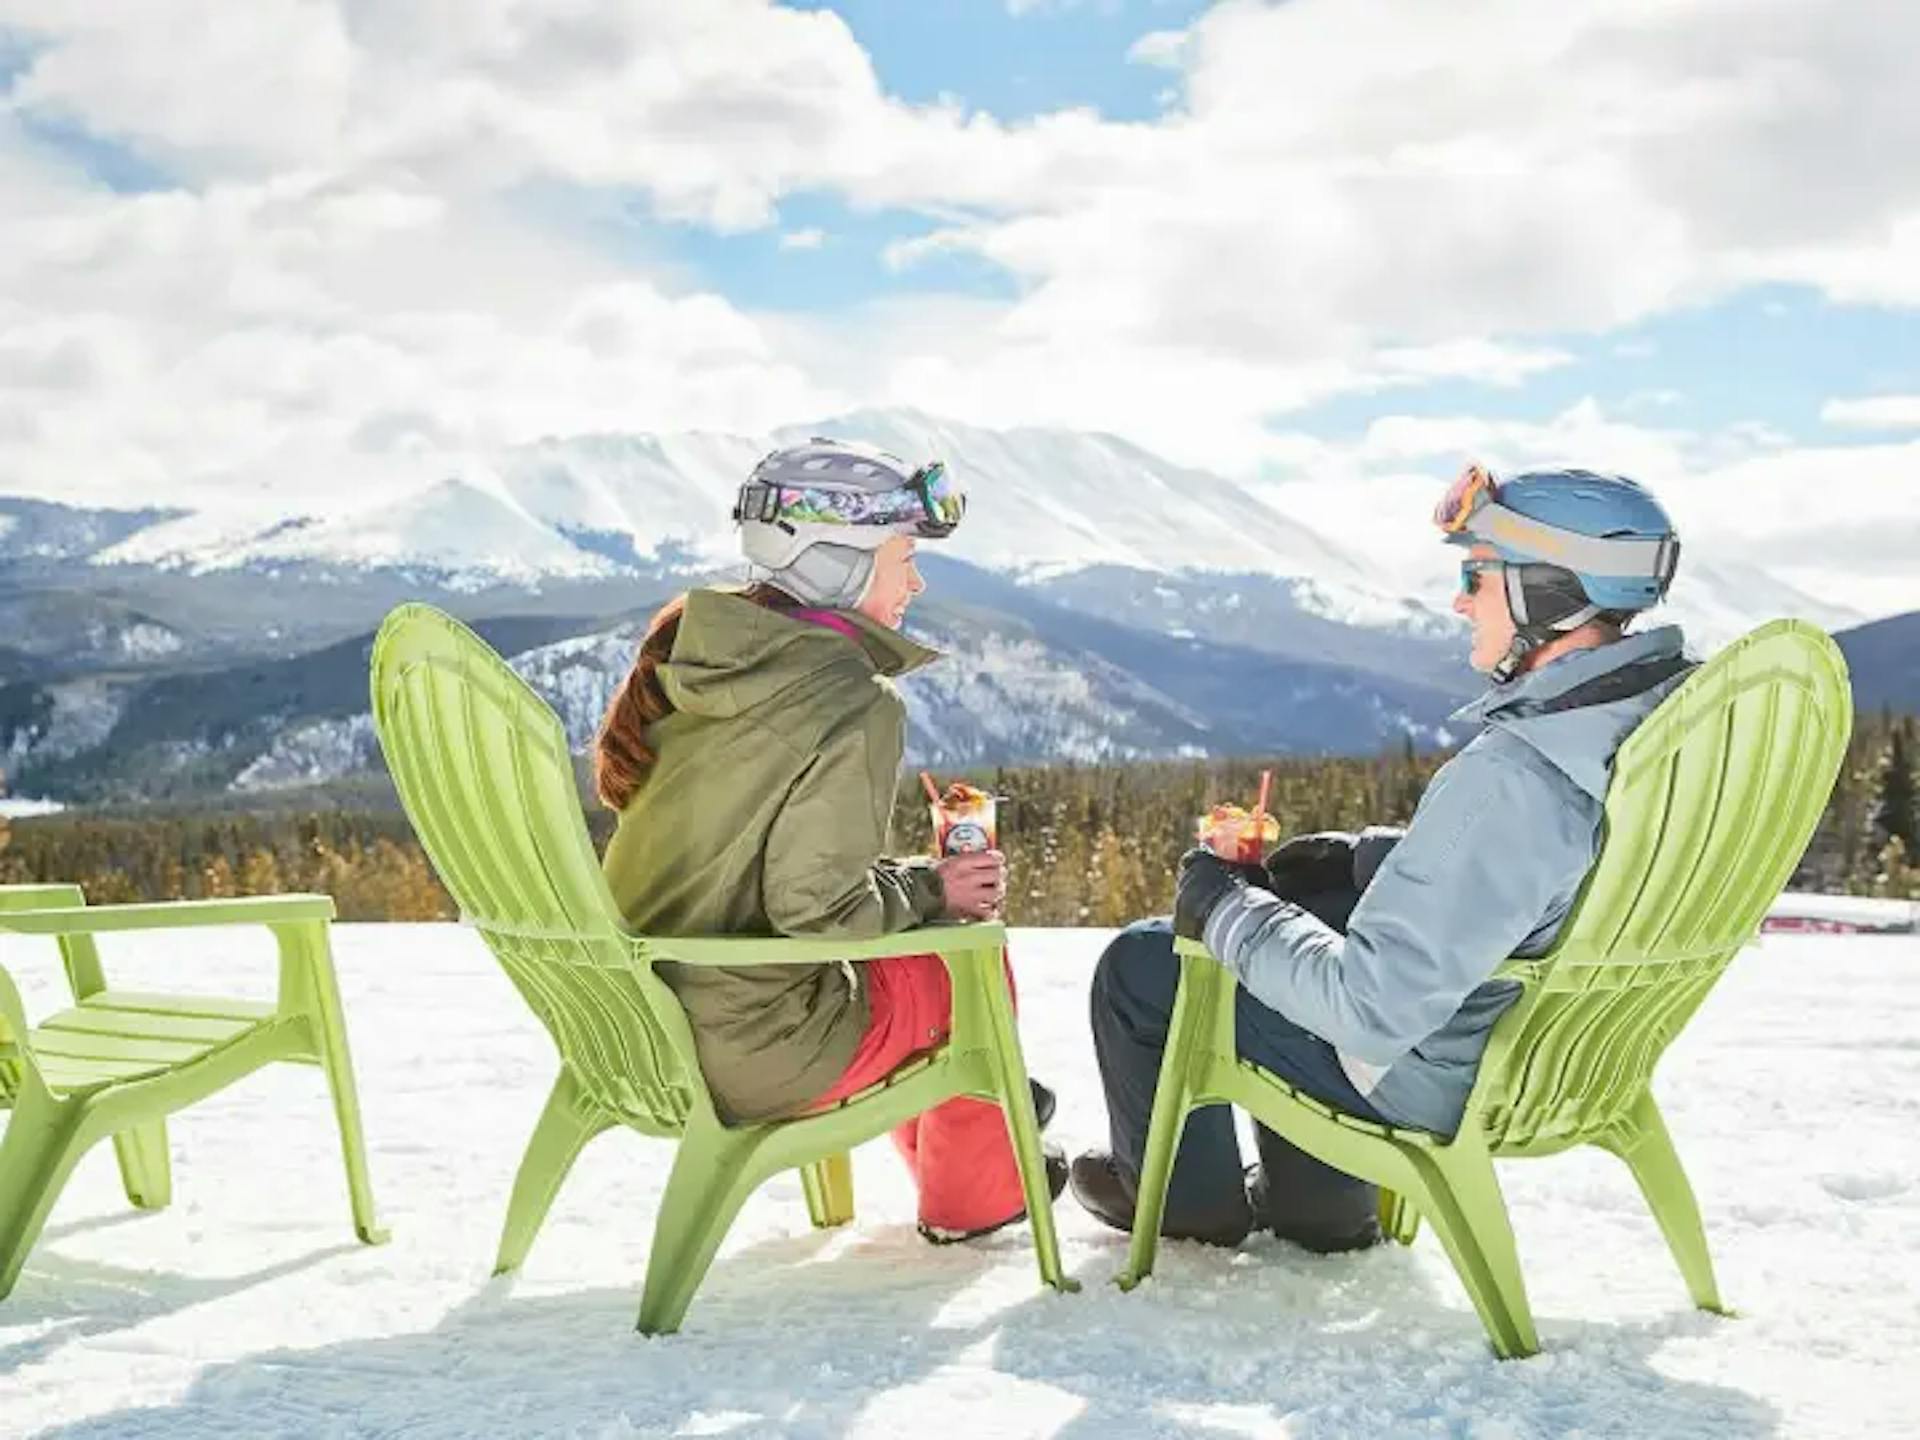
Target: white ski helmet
(812,515)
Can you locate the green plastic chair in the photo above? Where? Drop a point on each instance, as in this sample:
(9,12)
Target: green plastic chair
(482,766)
(1713,799)
(120,1061)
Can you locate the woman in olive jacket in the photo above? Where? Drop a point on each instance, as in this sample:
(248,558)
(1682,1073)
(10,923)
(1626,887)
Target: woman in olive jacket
(753,754)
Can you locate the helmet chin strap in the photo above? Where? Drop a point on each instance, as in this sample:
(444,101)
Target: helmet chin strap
(1529,635)
(1509,664)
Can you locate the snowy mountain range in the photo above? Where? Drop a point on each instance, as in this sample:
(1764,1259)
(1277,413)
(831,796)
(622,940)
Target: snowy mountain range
(1099,602)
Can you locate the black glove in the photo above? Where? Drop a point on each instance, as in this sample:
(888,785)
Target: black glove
(1205,880)
(1251,871)
(1309,865)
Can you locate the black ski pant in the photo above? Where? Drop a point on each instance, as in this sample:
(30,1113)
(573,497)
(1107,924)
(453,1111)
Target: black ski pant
(1132,1002)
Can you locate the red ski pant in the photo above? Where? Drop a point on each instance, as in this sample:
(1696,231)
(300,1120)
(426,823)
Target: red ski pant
(958,1152)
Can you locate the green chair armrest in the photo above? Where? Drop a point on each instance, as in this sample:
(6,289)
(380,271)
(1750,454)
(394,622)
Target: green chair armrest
(40,897)
(169,915)
(13,1016)
(943,939)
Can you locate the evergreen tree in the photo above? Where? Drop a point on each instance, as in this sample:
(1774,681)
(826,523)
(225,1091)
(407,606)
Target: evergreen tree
(261,874)
(1895,815)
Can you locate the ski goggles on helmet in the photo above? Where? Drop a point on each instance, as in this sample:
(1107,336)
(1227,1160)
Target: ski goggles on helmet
(1472,510)
(1474,488)
(930,504)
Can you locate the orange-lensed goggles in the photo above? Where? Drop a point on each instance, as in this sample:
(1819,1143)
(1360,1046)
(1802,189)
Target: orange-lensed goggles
(1474,488)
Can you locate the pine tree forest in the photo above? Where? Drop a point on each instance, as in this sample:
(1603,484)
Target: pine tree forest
(1085,844)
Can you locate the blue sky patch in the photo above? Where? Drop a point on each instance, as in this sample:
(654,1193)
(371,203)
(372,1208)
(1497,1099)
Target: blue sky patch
(1058,55)
(108,162)
(821,255)
(1773,354)
(17,52)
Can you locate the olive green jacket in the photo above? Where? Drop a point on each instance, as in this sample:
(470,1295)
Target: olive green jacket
(768,813)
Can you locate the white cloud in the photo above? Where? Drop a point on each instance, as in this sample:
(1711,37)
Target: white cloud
(348,284)
(1160,47)
(808,239)
(1875,412)
(1018,8)
(286,340)
(1830,528)
(1483,360)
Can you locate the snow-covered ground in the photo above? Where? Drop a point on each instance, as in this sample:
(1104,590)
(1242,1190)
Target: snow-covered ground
(19,807)
(247,1309)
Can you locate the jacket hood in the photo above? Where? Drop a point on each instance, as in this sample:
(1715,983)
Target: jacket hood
(1579,742)
(731,654)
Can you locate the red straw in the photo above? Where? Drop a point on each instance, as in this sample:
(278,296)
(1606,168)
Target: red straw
(933,791)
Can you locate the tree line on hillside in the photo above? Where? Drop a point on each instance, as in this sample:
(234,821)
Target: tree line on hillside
(1085,844)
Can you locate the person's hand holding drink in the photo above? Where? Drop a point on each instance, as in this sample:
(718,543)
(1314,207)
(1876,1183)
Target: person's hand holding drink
(973,872)
(1231,844)
(975,885)
(1236,835)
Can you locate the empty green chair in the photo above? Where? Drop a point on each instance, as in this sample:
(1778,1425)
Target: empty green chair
(483,768)
(120,1061)
(1712,802)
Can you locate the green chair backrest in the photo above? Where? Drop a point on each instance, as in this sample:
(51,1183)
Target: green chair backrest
(483,769)
(1712,802)
(13,1047)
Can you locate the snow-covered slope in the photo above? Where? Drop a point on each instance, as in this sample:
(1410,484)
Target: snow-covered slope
(1048,500)
(469,531)
(246,1308)
(1041,501)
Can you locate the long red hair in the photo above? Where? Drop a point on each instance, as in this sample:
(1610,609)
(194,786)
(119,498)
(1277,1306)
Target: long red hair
(622,758)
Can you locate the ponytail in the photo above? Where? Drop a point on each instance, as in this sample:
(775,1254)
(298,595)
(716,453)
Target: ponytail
(622,758)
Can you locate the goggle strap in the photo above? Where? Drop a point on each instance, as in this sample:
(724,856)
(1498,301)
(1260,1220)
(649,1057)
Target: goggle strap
(762,502)
(1591,554)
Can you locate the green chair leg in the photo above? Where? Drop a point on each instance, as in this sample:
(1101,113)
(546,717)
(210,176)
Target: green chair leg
(1023,1127)
(829,1189)
(146,1168)
(711,1178)
(565,1126)
(330,1035)
(1156,1173)
(1649,1153)
(1469,1214)
(37,1154)
(1187,1029)
(1399,1220)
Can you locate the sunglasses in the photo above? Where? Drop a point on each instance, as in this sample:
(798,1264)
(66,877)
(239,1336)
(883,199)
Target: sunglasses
(1472,570)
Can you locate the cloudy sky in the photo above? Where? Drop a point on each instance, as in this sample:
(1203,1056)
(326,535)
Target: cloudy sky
(300,248)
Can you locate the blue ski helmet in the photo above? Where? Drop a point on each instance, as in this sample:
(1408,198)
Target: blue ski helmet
(1576,546)
(1606,530)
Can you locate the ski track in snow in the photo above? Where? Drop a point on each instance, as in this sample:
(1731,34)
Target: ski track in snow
(247,1309)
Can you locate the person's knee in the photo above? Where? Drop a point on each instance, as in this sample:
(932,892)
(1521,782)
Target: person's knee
(1138,973)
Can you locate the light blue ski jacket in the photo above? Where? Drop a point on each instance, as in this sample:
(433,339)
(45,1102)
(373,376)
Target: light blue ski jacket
(1488,868)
